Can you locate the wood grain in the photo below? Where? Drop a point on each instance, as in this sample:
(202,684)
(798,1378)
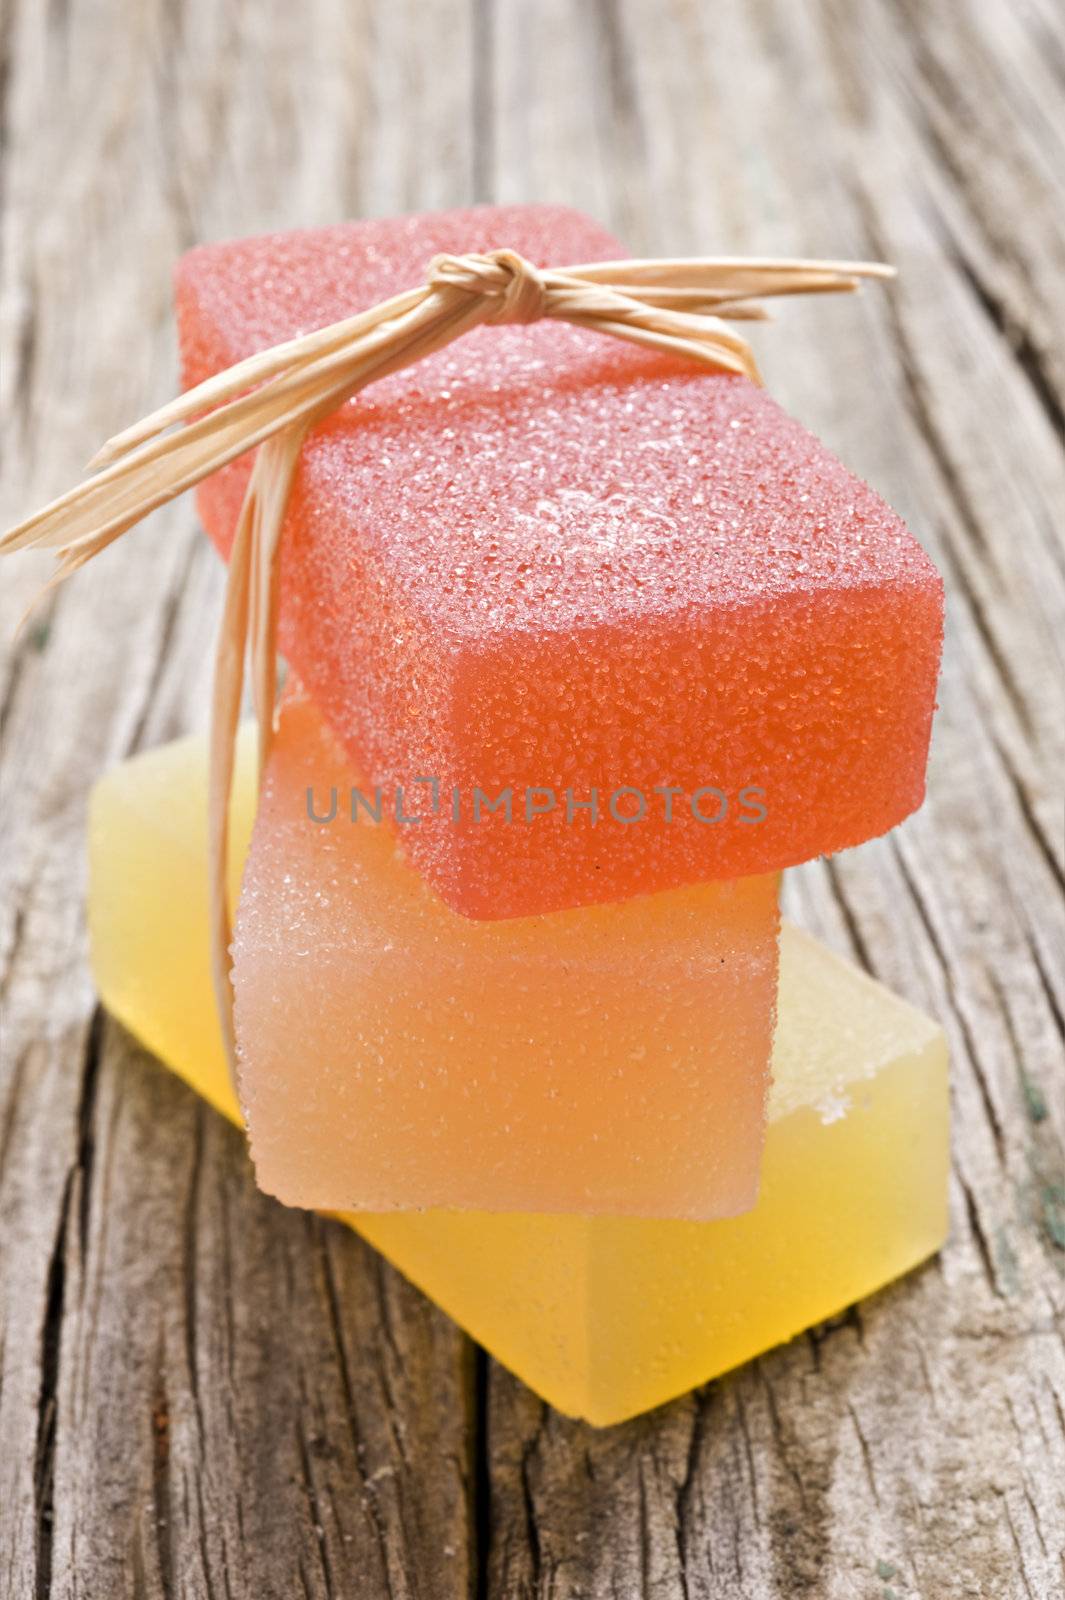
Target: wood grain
(204,1395)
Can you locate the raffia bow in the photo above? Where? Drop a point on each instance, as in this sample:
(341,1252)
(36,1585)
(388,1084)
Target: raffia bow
(272,399)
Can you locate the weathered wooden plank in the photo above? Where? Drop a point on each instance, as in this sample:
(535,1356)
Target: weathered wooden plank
(924,1431)
(243,1397)
(195,1382)
(202,1395)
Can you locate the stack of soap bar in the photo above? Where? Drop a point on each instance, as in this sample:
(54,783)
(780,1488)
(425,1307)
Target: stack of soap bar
(604,1317)
(544,560)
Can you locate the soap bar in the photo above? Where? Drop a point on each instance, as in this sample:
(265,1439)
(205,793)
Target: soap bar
(639,597)
(395,1054)
(604,1317)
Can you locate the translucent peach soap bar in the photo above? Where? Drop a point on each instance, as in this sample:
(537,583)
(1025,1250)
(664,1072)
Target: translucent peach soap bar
(603,1317)
(548,561)
(395,1054)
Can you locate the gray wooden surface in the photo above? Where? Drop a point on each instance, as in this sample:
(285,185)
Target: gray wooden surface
(204,1395)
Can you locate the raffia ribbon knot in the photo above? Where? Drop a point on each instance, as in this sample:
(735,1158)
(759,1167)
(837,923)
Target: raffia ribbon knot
(502,275)
(271,400)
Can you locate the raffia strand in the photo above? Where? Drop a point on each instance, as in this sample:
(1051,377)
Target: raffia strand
(680,306)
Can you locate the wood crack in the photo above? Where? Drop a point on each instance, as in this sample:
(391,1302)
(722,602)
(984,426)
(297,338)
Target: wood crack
(850,921)
(994,1119)
(983,1246)
(48,1398)
(999,240)
(76,1188)
(1029,359)
(528,1500)
(163,1513)
(480,1477)
(191,1253)
(1031,820)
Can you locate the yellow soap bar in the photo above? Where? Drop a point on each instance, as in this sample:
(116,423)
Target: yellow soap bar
(604,1317)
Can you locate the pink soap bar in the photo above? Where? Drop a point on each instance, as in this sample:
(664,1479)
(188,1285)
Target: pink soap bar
(394,1055)
(639,599)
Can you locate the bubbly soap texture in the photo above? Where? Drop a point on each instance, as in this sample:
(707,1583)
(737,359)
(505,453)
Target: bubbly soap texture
(395,1054)
(542,558)
(603,1317)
